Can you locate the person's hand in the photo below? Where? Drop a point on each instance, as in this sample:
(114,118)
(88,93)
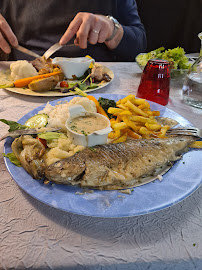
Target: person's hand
(91,28)
(6,36)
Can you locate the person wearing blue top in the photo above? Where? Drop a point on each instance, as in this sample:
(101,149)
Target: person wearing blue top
(107,30)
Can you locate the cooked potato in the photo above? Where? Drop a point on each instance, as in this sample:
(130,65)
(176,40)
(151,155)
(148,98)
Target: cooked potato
(61,75)
(45,84)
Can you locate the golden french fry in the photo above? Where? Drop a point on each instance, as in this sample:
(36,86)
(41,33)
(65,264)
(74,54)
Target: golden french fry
(133,134)
(111,135)
(117,133)
(134,118)
(163,131)
(126,112)
(121,106)
(138,101)
(118,102)
(121,139)
(118,126)
(135,108)
(144,105)
(114,110)
(139,124)
(130,123)
(149,113)
(142,119)
(153,127)
(144,131)
(114,121)
(155,113)
(129,97)
(197,144)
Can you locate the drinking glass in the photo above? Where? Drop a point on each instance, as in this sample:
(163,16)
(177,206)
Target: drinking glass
(192,87)
(155,81)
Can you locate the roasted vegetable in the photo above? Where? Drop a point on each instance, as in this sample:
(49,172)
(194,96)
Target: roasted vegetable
(24,82)
(45,84)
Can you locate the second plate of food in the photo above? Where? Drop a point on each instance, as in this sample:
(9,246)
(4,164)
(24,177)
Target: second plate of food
(5,79)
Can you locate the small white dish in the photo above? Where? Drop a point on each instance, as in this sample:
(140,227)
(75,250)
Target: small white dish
(95,138)
(73,66)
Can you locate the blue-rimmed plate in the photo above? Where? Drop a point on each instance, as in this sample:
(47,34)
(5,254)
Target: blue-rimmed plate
(178,183)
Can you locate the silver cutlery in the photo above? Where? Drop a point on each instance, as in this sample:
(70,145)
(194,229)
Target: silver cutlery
(54,48)
(196,132)
(30,131)
(26,51)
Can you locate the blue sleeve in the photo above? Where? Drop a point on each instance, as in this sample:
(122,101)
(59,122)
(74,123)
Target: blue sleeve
(134,38)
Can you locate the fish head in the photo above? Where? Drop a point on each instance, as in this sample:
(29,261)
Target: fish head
(66,171)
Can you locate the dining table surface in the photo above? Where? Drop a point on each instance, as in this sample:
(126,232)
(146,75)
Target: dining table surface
(34,235)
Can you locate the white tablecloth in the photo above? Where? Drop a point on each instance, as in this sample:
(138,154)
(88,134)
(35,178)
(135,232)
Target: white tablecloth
(36,236)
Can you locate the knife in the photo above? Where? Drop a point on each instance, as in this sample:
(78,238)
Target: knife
(30,131)
(26,51)
(54,48)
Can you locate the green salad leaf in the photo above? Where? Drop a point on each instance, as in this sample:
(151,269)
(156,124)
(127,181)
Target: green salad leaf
(13,125)
(12,157)
(176,57)
(84,84)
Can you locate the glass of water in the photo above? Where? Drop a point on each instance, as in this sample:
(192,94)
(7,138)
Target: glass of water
(192,87)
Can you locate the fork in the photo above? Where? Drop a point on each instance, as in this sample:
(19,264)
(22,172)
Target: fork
(54,48)
(30,131)
(190,131)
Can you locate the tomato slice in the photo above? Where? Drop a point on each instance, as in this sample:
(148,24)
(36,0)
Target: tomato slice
(43,141)
(64,84)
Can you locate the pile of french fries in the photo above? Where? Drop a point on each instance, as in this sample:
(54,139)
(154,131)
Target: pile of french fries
(134,118)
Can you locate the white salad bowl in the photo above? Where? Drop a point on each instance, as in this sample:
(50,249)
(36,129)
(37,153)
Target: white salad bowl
(95,138)
(73,66)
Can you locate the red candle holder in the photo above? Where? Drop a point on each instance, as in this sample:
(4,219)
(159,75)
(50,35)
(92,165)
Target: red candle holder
(155,82)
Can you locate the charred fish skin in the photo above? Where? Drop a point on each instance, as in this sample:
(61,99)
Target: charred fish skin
(113,166)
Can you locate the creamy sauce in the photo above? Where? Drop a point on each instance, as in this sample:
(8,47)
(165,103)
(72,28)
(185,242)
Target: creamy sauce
(87,124)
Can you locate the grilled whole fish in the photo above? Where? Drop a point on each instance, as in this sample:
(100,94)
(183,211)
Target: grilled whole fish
(118,166)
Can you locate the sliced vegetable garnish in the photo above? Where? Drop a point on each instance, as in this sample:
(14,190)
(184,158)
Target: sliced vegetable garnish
(79,92)
(37,121)
(50,135)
